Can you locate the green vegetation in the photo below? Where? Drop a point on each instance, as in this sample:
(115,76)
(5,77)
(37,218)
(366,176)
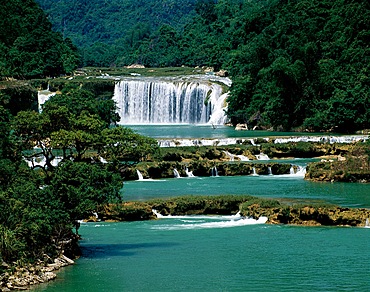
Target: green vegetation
(115,32)
(41,202)
(28,46)
(353,167)
(185,205)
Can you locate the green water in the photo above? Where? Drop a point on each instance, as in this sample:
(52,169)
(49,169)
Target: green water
(204,131)
(218,254)
(165,256)
(266,186)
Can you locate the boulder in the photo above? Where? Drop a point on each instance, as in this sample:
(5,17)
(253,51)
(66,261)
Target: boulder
(222,73)
(241,127)
(135,66)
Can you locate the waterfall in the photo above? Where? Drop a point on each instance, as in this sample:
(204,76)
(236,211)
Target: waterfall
(176,173)
(214,171)
(230,155)
(189,173)
(254,172)
(190,100)
(270,170)
(43,96)
(157,214)
(242,157)
(139,175)
(297,170)
(367,223)
(262,156)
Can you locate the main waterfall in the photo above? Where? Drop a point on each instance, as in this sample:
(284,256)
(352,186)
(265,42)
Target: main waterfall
(190,100)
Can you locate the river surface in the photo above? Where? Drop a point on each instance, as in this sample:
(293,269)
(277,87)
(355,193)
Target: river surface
(167,131)
(217,253)
(221,253)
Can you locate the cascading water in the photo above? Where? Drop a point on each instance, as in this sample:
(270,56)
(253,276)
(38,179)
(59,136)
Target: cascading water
(254,172)
(176,173)
(43,96)
(190,100)
(214,171)
(189,173)
(140,176)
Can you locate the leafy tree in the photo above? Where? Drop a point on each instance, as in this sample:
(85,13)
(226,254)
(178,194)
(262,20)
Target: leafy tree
(80,100)
(82,188)
(124,145)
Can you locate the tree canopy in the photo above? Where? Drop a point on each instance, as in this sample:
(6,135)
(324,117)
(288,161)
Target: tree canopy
(28,46)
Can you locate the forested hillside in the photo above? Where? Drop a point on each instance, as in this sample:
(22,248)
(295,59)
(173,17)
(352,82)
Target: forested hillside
(28,46)
(301,64)
(107,32)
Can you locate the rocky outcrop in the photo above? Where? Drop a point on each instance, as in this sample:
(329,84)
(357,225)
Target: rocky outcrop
(351,169)
(135,66)
(274,210)
(20,278)
(157,170)
(309,215)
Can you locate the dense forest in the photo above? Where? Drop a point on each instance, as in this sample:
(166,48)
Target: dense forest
(110,32)
(28,46)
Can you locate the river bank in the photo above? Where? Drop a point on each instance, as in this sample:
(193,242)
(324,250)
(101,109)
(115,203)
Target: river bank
(277,211)
(21,276)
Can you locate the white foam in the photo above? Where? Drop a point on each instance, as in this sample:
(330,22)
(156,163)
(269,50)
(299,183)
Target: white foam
(198,221)
(213,224)
(234,141)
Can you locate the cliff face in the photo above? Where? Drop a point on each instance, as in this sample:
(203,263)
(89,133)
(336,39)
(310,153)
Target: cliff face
(308,215)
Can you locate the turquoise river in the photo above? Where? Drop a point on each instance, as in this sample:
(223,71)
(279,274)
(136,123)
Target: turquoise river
(223,253)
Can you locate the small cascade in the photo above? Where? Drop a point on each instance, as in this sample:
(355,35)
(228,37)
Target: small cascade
(189,173)
(34,162)
(254,173)
(242,157)
(301,171)
(102,160)
(228,154)
(297,170)
(269,170)
(367,223)
(43,96)
(262,156)
(139,175)
(156,213)
(214,172)
(176,173)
